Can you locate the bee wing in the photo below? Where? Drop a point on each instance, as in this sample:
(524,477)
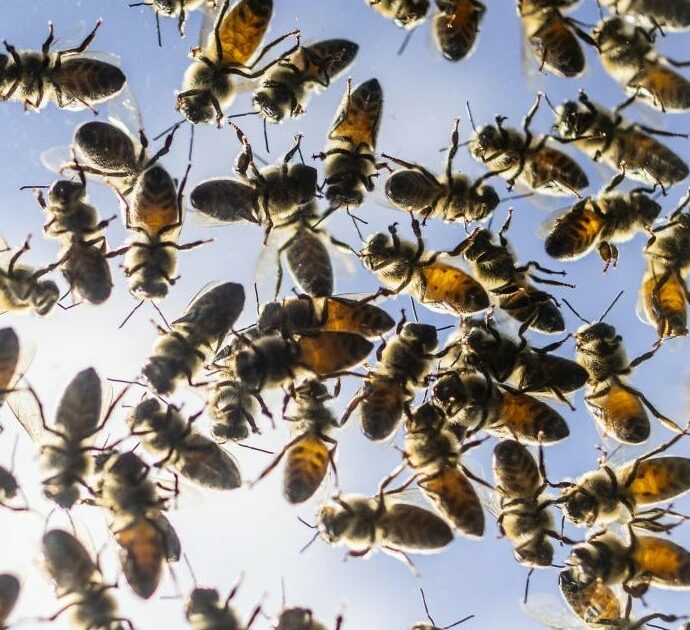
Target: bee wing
(103,55)
(550,611)
(535,79)
(55,158)
(207,23)
(124,112)
(25,408)
(71,37)
(27,351)
(547,224)
(207,464)
(267,266)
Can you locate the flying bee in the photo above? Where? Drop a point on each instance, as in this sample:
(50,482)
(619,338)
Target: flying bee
(404,365)
(349,156)
(521,158)
(479,345)
(606,136)
(226,52)
(628,55)
(553,37)
(232,409)
(175,8)
(664,293)
(642,562)
(297,618)
(137,522)
(9,594)
(452,197)
(365,524)
(407,14)
(180,352)
(471,402)
(285,88)
(456,26)
(21,287)
(307,454)
(426,626)
(614,493)
(433,452)
(78,578)
(670,16)
(167,433)
(205,609)
(617,407)
(273,360)
(599,222)
(400,266)
(65,447)
(66,78)
(495,266)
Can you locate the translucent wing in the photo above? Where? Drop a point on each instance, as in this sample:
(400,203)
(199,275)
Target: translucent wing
(103,55)
(208,22)
(267,266)
(550,611)
(25,408)
(56,158)
(71,37)
(546,225)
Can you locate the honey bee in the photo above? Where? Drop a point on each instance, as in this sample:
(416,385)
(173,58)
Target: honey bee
(495,266)
(180,352)
(273,360)
(453,197)
(407,14)
(471,402)
(167,433)
(456,26)
(365,524)
(553,37)
(9,594)
(77,577)
(521,158)
(617,407)
(606,136)
(425,626)
(204,610)
(298,618)
(137,523)
(404,364)
(307,454)
(225,52)
(66,78)
(433,452)
(644,561)
(628,55)
(599,222)
(400,266)
(65,447)
(21,287)
(285,88)
(663,293)
(231,409)
(670,16)
(175,8)
(613,493)
(10,371)
(349,157)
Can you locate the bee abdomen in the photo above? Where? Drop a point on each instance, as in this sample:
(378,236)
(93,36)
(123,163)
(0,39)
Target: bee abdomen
(572,238)
(90,79)
(310,264)
(305,468)
(382,407)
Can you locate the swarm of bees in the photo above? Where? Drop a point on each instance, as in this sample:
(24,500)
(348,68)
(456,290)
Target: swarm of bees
(489,384)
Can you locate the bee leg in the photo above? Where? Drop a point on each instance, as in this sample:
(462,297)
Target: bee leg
(667,422)
(79,49)
(26,246)
(403,557)
(641,359)
(474,477)
(276,459)
(353,404)
(534,264)
(272,44)
(55,615)
(253,616)
(526,593)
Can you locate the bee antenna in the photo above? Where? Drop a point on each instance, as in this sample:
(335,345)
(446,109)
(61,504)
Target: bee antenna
(282,589)
(134,310)
(514,197)
(141,4)
(313,538)
(255,448)
(576,313)
(191,143)
(601,11)
(266,136)
(169,129)
(414,312)
(469,112)
(549,103)
(32,187)
(405,42)
(309,525)
(252,113)
(426,608)
(606,312)
(190,569)
(14,452)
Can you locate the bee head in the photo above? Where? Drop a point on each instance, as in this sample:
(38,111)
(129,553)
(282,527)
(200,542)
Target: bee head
(295,617)
(580,507)
(508,454)
(610,31)
(648,209)
(302,181)
(333,522)
(44,296)
(486,140)
(65,193)
(202,601)
(197,108)
(166,7)
(423,334)
(145,410)
(376,249)
(65,496)
(583,564)
(248,367)
(571,121)
(272,103)
(450,394)
(598,332)
(149,286)
(234,427)
(488,198)
(427,417)
(537,553)
(480,242)
(8,483)
(128,467)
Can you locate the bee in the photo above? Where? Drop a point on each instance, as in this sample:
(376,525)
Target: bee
(180,352)
(628,55)
(227,51)
(663,293)
(9,594)
(10,354)
(401,266)
(307,454)
(175,8)
(606,136)
(471,402)
(273,360)
(66,78)
(479,345)
(453,197)
(456,26)
(495,266)
(349,157)
(644,561)
(407,14)
(167,433)
(298,618)
(305,313)
(425,626)
(613,493)
(137,522)
(204,610)
(670,16)
(285,88)
(599,222)
(404,364)
(21,287)
(617,407)
(231,408)
(433,452)
(77,577)
(365,524)
(553,37)
(65,447)
(521,158)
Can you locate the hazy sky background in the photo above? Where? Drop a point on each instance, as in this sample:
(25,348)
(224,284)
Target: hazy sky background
(254,531)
